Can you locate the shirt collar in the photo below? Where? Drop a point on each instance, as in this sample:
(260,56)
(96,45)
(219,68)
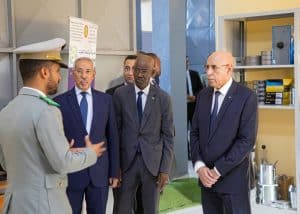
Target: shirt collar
(36,90)
(225,87)
(145,90)
(78,91)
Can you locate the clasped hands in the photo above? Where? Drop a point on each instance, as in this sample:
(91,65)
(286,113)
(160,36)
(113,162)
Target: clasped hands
(208,177)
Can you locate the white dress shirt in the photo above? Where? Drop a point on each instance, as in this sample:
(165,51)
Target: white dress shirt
(223,91)
(144,95)
(189,83)
(89,99)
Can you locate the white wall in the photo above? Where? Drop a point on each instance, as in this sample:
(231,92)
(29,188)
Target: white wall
(39,20)
(146,15)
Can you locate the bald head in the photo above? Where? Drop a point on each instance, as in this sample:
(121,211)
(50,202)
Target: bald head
(222,57)
(219,68)
(143,70)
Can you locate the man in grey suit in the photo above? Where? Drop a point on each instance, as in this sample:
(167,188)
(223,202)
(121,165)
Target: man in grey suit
(33,147)
(145,123)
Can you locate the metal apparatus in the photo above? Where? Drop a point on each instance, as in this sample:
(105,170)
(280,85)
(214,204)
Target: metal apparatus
(267,184)
(293,196)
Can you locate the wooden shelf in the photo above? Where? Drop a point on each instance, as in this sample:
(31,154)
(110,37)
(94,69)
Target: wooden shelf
(281,107)
(263,66)
(249,34)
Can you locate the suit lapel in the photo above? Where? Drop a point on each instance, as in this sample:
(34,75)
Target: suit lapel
(132,104)
(72,99)
(148,106)
(207,108)
(226,102)
(95,111)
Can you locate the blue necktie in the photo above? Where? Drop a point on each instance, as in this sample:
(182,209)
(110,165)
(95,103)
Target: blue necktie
(215,109)
(84,107)
(139,105)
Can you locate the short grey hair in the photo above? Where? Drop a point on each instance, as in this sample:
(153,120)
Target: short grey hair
(84,58)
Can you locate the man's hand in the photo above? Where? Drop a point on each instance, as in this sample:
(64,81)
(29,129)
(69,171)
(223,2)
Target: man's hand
(98,148)
(114,182)
(163,180)
(206,176)
(215,174)
(119,179)
(191,98)
(71,144)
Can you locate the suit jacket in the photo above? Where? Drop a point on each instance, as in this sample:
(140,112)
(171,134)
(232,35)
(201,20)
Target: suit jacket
(154,136)
(111,91)
(103,128)
(196,82)
(196,87)
(228,145)
(36,156)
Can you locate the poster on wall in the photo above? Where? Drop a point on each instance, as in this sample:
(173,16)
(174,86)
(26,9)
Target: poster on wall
(83,42)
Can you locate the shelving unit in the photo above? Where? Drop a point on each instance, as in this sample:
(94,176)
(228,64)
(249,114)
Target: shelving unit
(280,107)
(279,125)
(251,67)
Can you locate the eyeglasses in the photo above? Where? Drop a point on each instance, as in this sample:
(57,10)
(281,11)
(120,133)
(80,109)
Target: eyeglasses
(214,67)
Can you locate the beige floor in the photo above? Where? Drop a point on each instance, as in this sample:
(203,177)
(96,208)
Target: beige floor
(256,209)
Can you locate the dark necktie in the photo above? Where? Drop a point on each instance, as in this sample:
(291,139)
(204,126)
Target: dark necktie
(139,105)
(157,80)
(215,109)
(83,107)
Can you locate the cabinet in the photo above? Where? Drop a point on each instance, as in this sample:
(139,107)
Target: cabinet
(279,125)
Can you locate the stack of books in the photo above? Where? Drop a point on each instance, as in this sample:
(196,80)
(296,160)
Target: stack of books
(260,90)
(278,91)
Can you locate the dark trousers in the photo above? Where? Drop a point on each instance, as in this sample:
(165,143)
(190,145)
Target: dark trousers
(95,197)
(138,175)
(137,204)
(225,203)
(115,195)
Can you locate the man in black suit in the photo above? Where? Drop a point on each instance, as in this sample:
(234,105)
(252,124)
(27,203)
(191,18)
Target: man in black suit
(194,85)
(223,134)
(145,123)
(128,68)
(154,80)
(127,73)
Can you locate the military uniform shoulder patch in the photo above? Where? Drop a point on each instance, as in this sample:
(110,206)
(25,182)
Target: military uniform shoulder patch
(49,101)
